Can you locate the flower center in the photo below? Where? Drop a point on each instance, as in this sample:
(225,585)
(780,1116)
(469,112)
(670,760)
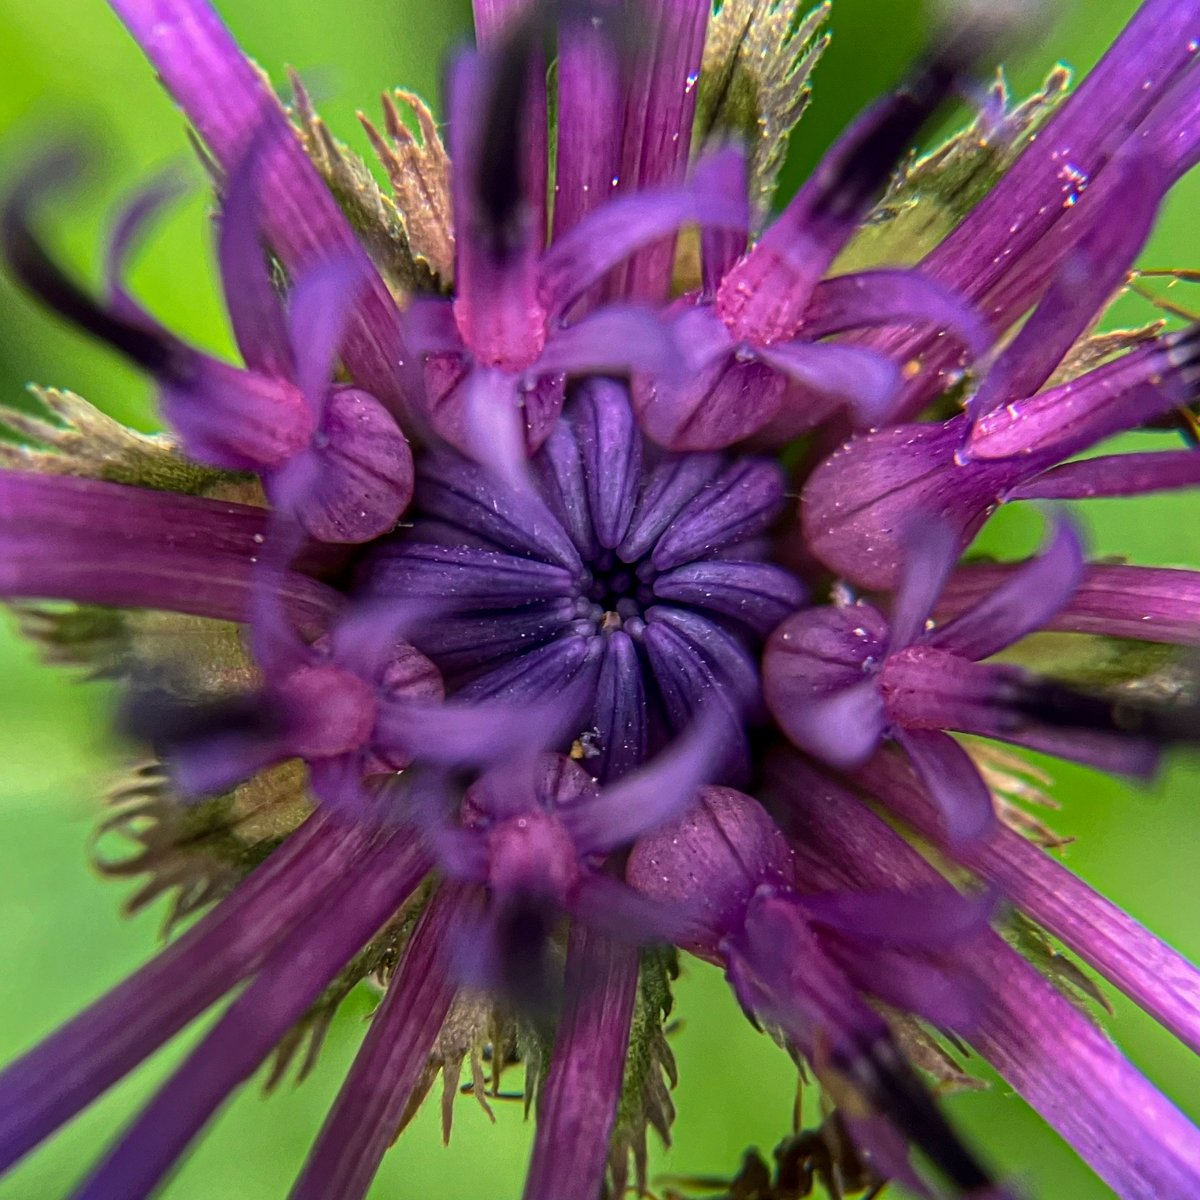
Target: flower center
(633,582)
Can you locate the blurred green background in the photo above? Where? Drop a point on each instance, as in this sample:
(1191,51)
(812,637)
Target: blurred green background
(69,66)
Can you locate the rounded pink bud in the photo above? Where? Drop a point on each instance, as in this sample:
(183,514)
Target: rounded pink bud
(711,861)
(331,711)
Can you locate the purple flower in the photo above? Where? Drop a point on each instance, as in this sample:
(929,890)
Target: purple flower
(840,680)
(542,677)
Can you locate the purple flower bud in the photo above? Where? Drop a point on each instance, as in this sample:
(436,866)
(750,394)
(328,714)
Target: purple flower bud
(711,862)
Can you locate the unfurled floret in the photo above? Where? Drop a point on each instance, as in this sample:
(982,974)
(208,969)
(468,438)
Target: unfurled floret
(455,616)
(841,680)
(329,455)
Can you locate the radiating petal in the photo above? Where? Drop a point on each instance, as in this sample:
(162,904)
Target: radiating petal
(364,1118)
(759,595)
(293,976)
(79,1061)
(611,448)
(741,502)
(463,577)
(619,714)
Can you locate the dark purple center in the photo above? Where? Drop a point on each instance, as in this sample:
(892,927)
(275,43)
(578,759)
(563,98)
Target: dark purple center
(632,583)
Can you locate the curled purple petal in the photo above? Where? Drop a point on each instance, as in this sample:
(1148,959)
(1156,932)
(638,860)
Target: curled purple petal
(953,780)
(1025,603)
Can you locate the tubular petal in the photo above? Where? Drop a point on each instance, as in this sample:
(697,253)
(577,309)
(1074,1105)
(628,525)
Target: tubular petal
(364,1118)
(294,975)
(577,1109)
(78,1062)
(227,101)
(1152,604)
(1146,969)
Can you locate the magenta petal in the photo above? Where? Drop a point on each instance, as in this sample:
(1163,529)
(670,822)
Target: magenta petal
(295,974)
(865,381)
(893,297)
(929,918)
(858,504)
(212,765)
(104,543)
(1152,52)
(430,326)
(655,137)
(356,479)
(614,340)
(577,1109)
(319,310)
(1065,420)
(953,780)
(364,1118)
(1116,216)
(652,795)
(819,681)
(226,99)
(1071,1073)
(589,117)
(497,211)
(1152,604)
(931,552)
(1114,475)
(234,419)
(79,1061)
(1050,1051)
(842,728)
(254,306)
(494,429)
(1116,753)
(1026,601)
(614,231)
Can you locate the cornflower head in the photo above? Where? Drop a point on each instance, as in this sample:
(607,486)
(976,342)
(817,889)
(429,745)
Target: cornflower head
(480,647)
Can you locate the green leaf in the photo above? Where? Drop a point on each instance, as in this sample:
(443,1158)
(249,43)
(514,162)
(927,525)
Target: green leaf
(755,82)
(649,1073)
(75,438)
(932,193)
